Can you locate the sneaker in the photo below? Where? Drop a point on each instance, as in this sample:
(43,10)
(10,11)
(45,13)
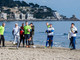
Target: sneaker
(27,46)
(72,49)
(45,47)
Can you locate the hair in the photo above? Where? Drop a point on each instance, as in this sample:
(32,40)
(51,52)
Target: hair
(26,21)
(72,24)
(22,23)
(50,24)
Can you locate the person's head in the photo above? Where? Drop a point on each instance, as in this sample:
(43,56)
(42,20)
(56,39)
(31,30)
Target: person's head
(16,24)
(26,23)
(3,24)
(47,23)
(50,25)
(72,25)
(31,24)
(22,24)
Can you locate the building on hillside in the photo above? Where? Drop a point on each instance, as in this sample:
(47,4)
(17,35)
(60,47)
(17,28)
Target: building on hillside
(15,9)
(57,15)
(5,8)
(3,15)
(45,10)
(22,16)
(30,16)
(17,16)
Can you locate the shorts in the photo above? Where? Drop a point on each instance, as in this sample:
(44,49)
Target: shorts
(27,36)
(49,37)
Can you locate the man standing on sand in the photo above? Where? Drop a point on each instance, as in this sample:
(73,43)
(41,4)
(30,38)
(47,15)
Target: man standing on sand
(22,34)
(16,34)
(47,24)
(27,29)
(73,35)
(2,34)
(31,33)
(50,35)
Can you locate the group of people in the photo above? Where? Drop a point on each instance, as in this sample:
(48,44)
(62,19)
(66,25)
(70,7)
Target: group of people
(23,33)
(26,32)
(71,36)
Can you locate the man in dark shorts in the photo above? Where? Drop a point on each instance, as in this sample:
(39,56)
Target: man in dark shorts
(2,34)
(31,33)
(27,29)
(48,25)
(22,34)
(50,32)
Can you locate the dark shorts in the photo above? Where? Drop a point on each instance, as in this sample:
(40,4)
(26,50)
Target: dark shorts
(49,37)
(27,36)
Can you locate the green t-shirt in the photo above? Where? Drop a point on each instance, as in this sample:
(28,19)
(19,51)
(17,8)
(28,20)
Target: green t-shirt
(26,29)
(1,30)
(48,26)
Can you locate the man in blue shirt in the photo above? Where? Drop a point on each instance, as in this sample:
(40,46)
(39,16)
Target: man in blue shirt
(50,32)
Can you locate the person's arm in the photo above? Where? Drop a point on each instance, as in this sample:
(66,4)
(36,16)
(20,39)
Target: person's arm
(52,30)
(72,31)
(76,30)
(28,30)
(48,31)
(0,29)
(13,32)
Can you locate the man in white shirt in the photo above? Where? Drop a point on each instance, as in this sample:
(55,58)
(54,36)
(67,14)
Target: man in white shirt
(73,35)
(16,34)
(50,32)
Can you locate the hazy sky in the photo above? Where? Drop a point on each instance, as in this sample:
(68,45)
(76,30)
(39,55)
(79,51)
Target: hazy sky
(65,7)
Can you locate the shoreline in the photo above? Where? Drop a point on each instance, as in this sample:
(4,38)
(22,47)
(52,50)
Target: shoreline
(38,20)
(9,44)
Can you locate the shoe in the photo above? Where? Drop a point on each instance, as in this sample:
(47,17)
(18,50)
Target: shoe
(27,46)
(72,49)
(32,43)
(45,47)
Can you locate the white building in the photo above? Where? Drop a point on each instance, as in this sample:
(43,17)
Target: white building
(57,15)
(30,16)
(3,15)
(22,16)
(45,10)
(17,16)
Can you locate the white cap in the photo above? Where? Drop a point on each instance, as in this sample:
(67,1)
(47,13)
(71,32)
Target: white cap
(16,23)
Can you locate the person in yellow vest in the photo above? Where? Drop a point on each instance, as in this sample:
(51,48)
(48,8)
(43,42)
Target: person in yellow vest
(2,34)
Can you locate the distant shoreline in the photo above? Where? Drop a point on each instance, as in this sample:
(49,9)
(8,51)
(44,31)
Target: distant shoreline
(38,20)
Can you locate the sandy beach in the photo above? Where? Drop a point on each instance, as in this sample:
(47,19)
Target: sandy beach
(39,53)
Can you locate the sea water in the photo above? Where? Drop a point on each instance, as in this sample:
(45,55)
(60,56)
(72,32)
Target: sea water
(60,34)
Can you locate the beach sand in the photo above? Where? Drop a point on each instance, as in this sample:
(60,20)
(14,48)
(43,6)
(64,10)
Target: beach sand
(39,53)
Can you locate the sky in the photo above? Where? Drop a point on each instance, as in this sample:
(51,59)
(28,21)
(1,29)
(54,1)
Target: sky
(64,7)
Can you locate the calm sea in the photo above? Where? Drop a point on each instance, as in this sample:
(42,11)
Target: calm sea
(60,35)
